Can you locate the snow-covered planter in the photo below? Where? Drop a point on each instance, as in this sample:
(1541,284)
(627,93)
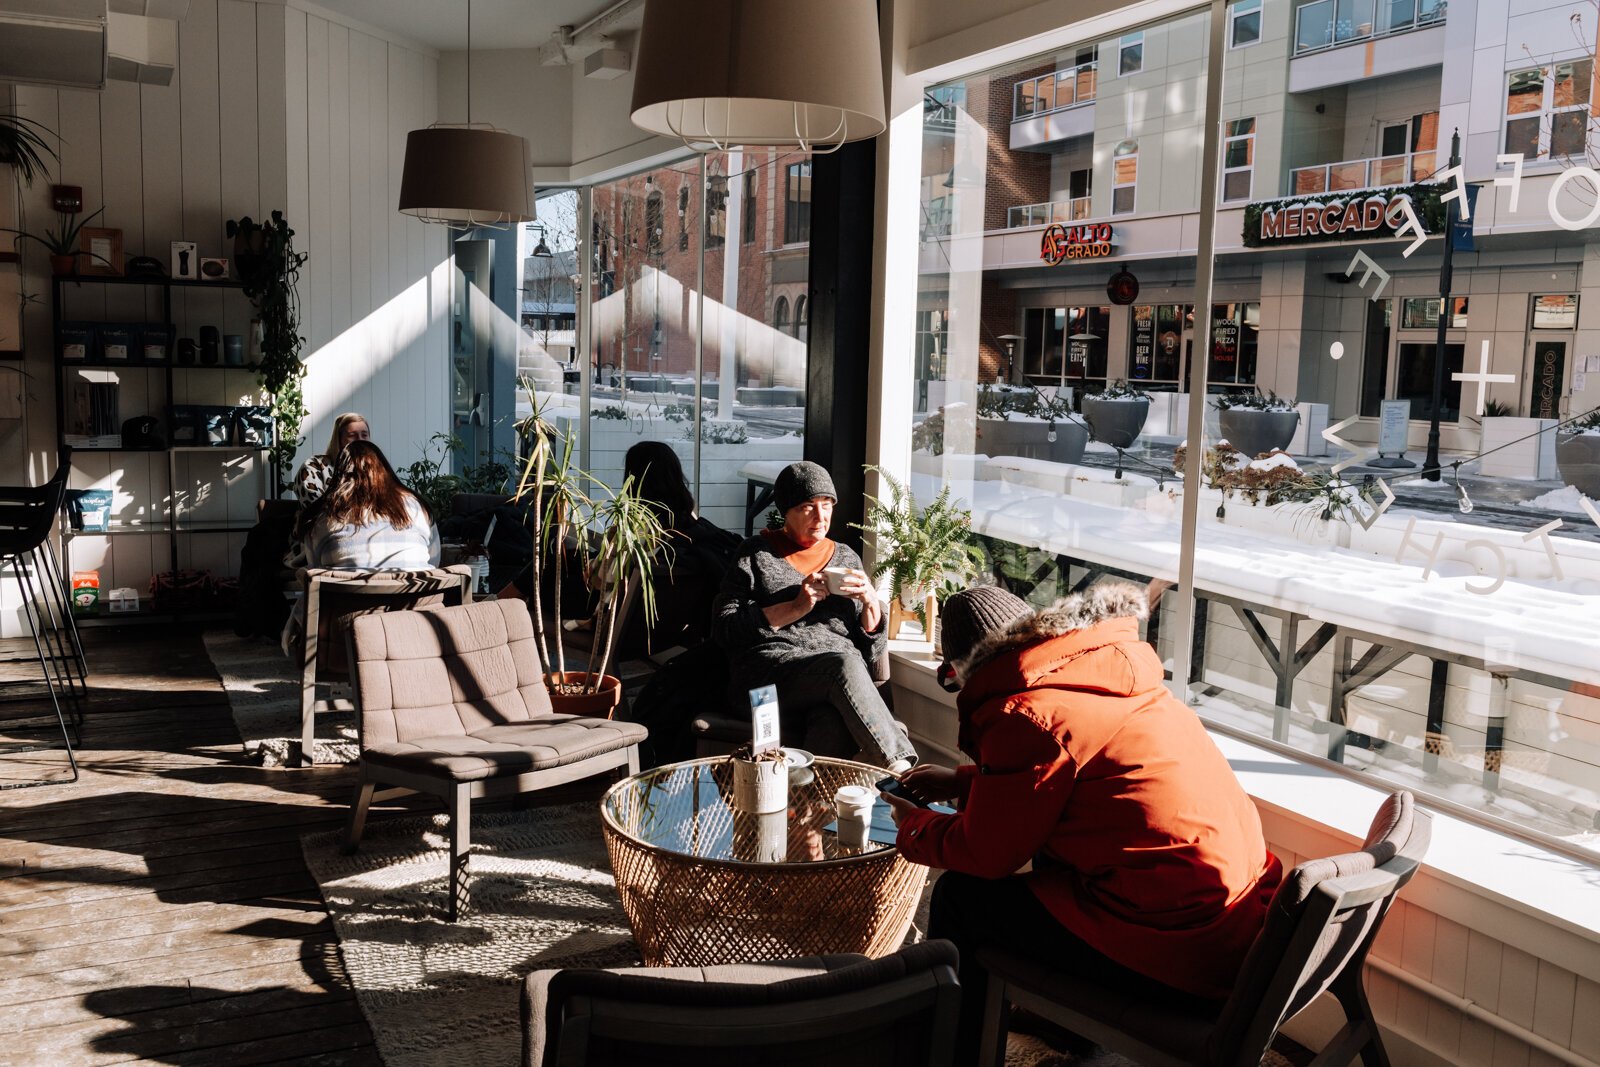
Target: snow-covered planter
(1255,424)
(1578,456)
(1034,438)
(1116,415)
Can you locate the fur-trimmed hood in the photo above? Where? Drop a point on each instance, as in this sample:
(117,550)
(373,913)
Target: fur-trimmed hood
(1097,604)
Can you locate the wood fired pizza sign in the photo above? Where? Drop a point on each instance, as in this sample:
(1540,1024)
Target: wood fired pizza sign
(1060,243)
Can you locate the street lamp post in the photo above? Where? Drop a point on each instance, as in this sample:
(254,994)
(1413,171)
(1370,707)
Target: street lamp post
(1430,466)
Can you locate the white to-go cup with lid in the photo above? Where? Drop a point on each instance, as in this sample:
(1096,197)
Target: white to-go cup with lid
(853,803)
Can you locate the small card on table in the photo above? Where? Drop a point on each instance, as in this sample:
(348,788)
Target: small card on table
(763,719)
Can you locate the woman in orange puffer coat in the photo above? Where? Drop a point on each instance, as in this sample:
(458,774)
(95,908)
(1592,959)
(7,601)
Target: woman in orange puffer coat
(1147,857)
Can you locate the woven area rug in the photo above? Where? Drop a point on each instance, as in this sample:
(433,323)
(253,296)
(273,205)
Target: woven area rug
(542,895)
(264,695)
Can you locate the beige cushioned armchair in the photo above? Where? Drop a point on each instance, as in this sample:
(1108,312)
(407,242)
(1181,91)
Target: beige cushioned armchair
(451,701)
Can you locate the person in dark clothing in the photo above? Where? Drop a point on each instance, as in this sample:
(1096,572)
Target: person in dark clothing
(688,572)
(780,625)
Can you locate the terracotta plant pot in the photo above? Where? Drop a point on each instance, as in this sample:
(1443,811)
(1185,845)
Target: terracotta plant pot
(61,266)
(1253,432)
(597,705)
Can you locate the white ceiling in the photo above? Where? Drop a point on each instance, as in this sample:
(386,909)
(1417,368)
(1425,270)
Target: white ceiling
(495,23)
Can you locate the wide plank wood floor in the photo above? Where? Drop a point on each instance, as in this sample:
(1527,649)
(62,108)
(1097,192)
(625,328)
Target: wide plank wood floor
(159,908)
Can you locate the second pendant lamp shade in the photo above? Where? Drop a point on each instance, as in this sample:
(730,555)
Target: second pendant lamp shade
(467,176)
(783,73)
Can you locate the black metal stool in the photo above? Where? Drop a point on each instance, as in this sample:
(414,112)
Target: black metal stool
(66,647)
(25,528)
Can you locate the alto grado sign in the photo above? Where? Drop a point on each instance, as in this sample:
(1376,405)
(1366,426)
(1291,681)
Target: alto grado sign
(1341,216)
(1090,241)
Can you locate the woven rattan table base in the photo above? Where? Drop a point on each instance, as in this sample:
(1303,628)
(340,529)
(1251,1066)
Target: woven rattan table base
(687,911)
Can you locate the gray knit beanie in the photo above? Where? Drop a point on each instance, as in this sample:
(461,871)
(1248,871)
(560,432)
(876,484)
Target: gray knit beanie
(800,482)
(972,615)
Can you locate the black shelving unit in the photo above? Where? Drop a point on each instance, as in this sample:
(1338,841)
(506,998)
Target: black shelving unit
(172,527)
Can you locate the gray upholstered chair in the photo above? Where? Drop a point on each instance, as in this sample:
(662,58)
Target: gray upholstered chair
(332,599)
(1319,927)
(452,702)
(828,1011)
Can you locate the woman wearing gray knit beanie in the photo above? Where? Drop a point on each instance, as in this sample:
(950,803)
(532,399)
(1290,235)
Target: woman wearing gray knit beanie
(781,625)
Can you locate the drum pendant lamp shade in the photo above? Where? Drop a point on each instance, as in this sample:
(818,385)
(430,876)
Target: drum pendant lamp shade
(471,175)
(804,74)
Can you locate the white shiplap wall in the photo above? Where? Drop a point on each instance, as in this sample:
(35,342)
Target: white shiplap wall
(374,292)
(272,106)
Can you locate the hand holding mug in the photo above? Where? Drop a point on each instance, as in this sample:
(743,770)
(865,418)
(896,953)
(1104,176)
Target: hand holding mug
(813,589)
(848,582)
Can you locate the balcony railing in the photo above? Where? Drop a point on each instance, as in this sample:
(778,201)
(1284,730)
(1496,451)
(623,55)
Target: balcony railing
(1071,87)
(1329,23)
(1353,174)
(1073,210)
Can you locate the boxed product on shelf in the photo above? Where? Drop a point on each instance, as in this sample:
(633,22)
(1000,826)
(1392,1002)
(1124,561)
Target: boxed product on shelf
(122,601)
(91,410)
(116,342)
(85,591)
(155,344)
(218,426)
(187,423)
(252,426)
(89,509)
(77,340)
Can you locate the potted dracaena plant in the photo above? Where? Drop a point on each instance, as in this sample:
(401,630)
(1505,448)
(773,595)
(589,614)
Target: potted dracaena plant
(619,563)
(921,549)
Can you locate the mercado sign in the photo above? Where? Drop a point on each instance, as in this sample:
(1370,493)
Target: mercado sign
(1342,216)
(1090,241)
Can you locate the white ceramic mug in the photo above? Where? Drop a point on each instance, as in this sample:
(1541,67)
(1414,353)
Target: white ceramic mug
(835,577)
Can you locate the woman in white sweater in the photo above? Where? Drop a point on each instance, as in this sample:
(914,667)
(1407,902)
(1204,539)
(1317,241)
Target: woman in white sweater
(367,520)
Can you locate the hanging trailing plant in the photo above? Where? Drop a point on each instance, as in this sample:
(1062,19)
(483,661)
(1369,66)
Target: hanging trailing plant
(272,286)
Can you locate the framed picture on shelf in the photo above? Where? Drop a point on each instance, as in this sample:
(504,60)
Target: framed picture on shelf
(185,260)
(102,251)
(213,270)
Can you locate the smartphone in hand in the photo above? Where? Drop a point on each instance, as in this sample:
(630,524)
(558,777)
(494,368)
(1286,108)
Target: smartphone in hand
(895,787)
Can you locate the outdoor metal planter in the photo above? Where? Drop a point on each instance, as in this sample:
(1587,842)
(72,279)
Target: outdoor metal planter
(1578,457)
(1071,439)
(1115,422)
(1030,438)
(1253,432)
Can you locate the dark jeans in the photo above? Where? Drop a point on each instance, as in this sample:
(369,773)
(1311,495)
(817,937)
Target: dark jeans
(841,679)
(1002,913)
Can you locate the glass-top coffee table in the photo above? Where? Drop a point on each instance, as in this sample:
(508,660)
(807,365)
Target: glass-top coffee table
(703,885)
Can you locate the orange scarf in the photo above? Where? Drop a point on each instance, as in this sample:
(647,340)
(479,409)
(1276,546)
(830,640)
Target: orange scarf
(807,561)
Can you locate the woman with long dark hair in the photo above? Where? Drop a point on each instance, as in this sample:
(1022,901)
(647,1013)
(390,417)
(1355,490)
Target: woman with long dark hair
(367,520)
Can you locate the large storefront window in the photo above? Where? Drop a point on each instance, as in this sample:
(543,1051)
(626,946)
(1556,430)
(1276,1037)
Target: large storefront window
(697,344)
(1395,570)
